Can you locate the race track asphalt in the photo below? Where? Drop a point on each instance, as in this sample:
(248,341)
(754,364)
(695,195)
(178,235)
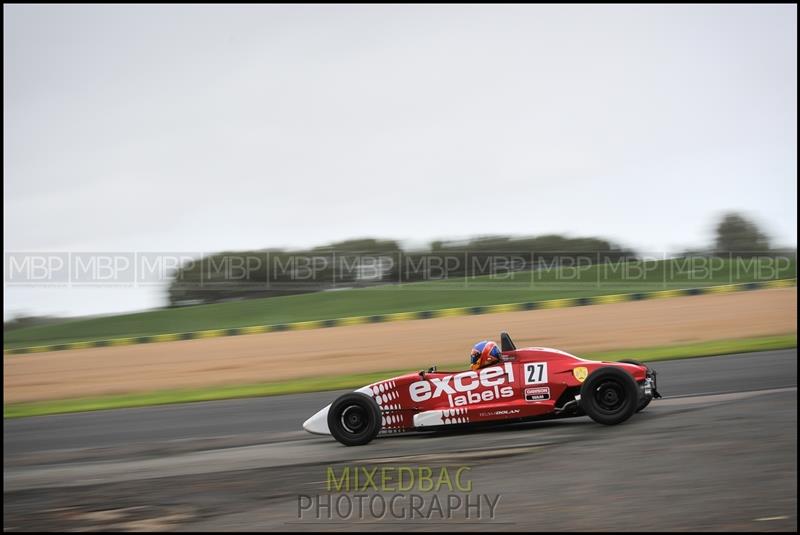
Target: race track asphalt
(718,453)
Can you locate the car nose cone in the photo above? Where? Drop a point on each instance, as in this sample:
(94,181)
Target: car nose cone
(318,424)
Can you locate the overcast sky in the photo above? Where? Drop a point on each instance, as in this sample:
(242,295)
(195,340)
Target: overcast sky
(206,128)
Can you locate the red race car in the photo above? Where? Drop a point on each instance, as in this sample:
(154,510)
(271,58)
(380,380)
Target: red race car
(527,384)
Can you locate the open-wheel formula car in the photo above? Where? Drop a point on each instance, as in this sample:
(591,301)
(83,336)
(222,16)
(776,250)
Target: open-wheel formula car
(527,384)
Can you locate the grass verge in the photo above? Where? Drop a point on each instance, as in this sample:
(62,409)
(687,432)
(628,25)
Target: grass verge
(317,384)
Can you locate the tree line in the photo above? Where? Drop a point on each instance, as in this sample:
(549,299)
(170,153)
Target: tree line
(370,262)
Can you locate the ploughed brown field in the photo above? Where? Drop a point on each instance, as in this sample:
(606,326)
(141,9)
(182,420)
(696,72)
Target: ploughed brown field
(392,346)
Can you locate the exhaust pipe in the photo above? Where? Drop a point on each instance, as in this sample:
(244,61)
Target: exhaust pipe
(568,404)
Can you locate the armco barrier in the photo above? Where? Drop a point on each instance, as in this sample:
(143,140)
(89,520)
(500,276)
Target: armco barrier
(417,315)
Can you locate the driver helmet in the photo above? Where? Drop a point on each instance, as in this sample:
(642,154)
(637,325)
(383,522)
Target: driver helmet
(484,353)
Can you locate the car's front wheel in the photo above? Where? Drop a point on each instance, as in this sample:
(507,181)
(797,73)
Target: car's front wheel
(609,396)
(354,419)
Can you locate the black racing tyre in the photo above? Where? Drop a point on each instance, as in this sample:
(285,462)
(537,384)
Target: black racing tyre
(644,401)
(609,396)
(354,419)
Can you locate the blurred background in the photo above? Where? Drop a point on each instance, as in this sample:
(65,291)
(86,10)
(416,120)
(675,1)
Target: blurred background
(233,204)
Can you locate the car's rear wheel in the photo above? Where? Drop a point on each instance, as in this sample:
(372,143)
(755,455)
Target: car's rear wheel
(644,401)
(609,396)
(354,419)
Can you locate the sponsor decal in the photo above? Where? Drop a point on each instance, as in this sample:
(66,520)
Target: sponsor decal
(504,412)
(535,373)
(580,373)
(538,393)
(445,417)
(467,388)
